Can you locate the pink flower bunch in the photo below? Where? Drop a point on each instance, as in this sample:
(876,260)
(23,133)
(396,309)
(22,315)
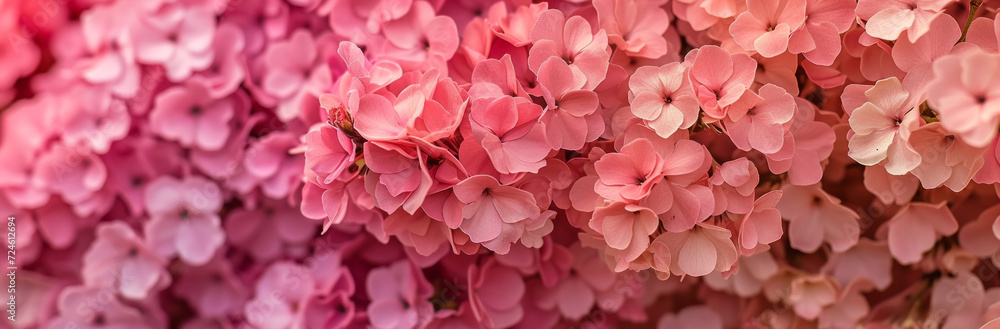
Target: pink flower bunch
(405,164)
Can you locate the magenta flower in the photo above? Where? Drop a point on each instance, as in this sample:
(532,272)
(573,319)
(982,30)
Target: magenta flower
(184,218)
(720,79)
(188,115)
(663,97)
(766,26)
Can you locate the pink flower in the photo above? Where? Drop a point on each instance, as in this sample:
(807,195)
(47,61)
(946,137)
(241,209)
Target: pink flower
(272,230)
(701,250)
(761,125)
(73,174)
(916,228)
(882,127)
(213,289)
(494,215)
(819,38)
(663,97)
(635,26)
(630,174)
(762,225)
(945,160)
(626,229)
(766,26)
(420,38)
(399,294)
(692,317)
(178,37)
(868,260)
(269,160)
(965,96)
(78,309)
(917,58)
(733,186)
(814,143)
(509,130)
(572,41)
(399,176)
(288,64)
(280,295)
(495,293)
(810,294)
(188,115)
(568,118)
(227,70)
(184,218)
(330,152)
(815,217)
(120,260)
(887,19)
(719,79)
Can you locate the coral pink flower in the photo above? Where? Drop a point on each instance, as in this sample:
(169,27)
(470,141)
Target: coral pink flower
(630,174)
(868,260)
(572,41)
(184,218)
(916,228)
(635,26)
(758,122)
(495,78)
(119,259)
(917,58)
(495,293)
(733,186)
(816,217)
(945,160)
(748,281)
(371,75)
(399,294)
(819,38)
(965,95)
(663,97)
(189,115)
(810,294)
(766,26)
(887,19)
(626,229)
(494,215)
(509,130)
(814,142)
(720,79)
(568,118)
(701,250)
(515,27)
(178,37)
(762,225)
(881,128)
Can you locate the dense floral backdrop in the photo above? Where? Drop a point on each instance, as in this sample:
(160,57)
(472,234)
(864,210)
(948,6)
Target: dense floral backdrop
(671,164)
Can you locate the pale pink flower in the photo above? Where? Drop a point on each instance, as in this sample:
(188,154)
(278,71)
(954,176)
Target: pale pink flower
(399,294)
(887,19)
(571,40)
(965,95)
(701,250)
(178,37)
(635,26)
(761,225)
(944,159)
(119,259)
(748,281)
(184,218)
(663,97)
(626,229)
(188,115)
(719,79)
(733,186)
(758,122)
(916,228)
(766,26)
(881,128)
(868,260)
(889,188)
(568,118)
(816,217)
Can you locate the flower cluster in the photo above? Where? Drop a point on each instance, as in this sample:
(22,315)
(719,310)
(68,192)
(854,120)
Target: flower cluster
(403,164)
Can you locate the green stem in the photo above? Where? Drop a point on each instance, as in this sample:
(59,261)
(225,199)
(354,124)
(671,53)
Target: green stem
(973,8)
